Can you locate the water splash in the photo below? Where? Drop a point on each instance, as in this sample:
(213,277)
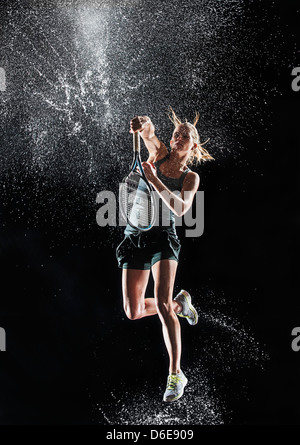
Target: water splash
(78,71)
(198,406)
(220,349)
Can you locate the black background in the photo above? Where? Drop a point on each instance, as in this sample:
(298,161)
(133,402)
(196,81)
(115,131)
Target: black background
(67,337)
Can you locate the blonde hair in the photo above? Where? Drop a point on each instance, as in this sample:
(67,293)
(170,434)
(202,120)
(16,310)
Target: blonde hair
(198,153)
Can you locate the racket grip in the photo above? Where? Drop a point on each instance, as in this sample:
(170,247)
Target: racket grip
(136,142)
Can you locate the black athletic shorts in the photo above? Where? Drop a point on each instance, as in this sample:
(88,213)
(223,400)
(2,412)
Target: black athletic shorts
(144,250)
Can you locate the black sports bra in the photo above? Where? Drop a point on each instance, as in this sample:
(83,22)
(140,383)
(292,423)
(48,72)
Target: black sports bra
(171,183)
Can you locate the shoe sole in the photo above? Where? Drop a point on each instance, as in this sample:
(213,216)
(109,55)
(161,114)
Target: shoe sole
(191,308)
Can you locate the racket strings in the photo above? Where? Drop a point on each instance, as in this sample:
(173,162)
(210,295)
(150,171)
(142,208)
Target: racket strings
(136,202)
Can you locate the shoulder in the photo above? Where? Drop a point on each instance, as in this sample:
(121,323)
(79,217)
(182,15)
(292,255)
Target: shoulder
(192,176)
(191,179)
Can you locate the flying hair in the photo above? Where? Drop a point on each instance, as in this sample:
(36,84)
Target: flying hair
(198,153)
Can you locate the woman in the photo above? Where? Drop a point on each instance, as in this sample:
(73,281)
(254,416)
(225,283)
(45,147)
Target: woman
(158,249)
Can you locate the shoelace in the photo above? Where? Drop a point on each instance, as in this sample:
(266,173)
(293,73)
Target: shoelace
(172,381)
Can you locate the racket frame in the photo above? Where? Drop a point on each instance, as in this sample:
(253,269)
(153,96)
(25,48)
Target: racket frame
(138,163)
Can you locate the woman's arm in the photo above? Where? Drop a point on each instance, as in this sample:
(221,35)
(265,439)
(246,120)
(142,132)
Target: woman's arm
(157,150)
(179,204)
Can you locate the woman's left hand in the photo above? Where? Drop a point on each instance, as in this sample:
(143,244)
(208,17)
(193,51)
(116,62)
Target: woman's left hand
(150,171)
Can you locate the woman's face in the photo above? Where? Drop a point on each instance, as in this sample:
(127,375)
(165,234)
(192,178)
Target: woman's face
(182,138)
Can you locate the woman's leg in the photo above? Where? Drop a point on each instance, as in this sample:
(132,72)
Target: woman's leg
(164,273)
(134,283)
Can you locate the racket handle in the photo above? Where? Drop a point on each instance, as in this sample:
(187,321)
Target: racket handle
(136,142)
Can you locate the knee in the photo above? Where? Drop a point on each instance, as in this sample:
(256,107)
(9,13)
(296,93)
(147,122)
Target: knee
(132,313)
(165,310)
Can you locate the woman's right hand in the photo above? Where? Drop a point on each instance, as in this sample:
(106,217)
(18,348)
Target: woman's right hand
(142,124)
(146,129)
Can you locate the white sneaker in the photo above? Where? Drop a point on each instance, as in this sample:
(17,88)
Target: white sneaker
(188,310)
(175,387)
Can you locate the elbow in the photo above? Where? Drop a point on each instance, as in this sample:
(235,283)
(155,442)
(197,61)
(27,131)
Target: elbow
(182,209)
(180,212)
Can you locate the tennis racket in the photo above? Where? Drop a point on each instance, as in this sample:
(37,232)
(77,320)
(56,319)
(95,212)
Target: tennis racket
(136,201)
